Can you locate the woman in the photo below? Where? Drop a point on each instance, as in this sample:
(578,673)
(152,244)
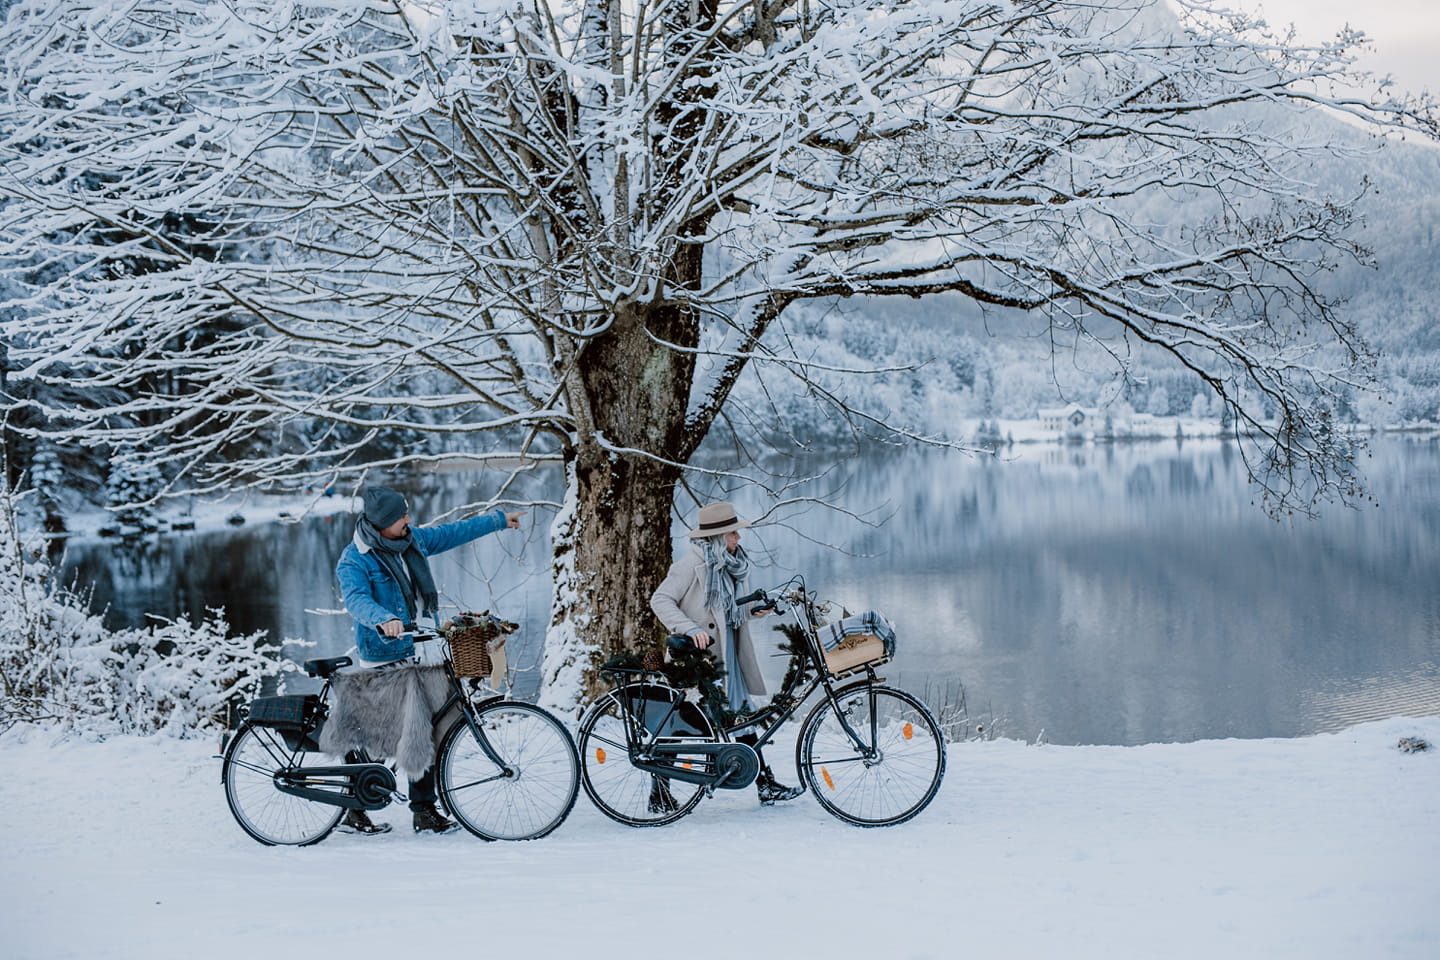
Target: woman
(697,600)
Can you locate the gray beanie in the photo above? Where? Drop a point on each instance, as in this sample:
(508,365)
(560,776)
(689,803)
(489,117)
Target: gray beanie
(384,506)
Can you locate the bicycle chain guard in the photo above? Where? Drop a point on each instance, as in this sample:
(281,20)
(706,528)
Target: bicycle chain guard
(354,786)
(728,766)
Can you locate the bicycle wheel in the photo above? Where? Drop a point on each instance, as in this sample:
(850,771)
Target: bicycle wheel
(633,797)
(527,798)
(906,757)
(254,756)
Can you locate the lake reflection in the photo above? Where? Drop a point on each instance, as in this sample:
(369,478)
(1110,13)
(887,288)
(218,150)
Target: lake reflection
(1131,594)
(1121,594)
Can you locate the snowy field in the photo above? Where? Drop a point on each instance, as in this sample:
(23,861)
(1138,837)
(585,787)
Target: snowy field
(1327,846)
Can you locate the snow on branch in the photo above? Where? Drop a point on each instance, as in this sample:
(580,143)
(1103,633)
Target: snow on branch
(255,243)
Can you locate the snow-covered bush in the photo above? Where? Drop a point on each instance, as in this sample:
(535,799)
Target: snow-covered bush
(129,490)
(58,662)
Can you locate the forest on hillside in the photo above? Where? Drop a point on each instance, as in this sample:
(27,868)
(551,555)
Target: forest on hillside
(944,362)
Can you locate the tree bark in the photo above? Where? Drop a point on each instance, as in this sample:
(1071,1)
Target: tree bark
(611,541)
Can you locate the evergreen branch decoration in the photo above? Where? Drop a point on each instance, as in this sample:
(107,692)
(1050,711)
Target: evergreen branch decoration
(800,667)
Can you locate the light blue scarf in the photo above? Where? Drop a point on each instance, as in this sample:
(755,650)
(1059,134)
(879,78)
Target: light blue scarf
(724,573)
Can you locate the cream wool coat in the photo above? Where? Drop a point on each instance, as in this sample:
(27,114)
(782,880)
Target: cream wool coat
(679,602)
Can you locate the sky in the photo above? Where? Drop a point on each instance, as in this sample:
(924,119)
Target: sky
(1405,33)
(1318,848)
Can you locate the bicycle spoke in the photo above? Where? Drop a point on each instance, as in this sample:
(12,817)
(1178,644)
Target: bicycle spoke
(619,790)
(264,812)
(535,791)
(891,784)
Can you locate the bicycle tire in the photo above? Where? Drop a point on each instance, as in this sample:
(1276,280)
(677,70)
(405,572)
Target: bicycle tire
(252,759)
(878,792)
(636,798)
(532,796)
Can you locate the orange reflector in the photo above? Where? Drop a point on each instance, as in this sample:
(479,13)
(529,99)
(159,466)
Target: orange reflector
(688,765)
(826,774)
(600,754)
(909,731)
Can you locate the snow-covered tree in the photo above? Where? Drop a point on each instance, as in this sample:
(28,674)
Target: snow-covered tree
(130,490)
(1159,402)
(562,229)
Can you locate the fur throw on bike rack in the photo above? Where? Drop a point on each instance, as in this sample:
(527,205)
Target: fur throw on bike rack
(389,712)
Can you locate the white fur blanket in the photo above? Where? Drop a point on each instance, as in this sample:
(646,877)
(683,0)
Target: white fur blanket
(388,712)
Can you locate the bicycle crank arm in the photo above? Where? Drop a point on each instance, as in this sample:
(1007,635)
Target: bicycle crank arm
(354,786)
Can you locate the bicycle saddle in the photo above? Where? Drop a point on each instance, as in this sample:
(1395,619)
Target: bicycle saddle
(325,667)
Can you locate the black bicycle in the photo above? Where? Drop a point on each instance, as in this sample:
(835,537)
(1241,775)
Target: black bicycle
(871,754)
(506,770)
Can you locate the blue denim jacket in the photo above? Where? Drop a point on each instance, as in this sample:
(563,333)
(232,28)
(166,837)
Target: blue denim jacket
(372,596)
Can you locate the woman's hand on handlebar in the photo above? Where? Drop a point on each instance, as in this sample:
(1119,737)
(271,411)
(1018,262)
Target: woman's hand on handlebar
(701,639)
(766,605)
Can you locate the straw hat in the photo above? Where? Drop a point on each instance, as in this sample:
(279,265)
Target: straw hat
(718,518)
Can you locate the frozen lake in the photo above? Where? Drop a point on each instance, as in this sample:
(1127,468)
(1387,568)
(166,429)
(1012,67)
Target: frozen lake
(1084,594)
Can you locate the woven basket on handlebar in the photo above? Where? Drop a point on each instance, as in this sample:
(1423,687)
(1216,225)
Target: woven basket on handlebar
(471,636)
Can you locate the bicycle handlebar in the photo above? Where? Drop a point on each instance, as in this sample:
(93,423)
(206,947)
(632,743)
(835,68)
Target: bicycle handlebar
(415,636)
(770,603)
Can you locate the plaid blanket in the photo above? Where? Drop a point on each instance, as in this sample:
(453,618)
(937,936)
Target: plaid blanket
(869,622)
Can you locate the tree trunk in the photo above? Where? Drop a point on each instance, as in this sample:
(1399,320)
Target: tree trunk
(611,540)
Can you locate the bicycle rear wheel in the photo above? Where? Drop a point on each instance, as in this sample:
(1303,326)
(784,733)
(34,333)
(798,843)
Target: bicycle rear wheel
(253,758)
(633,797)
(531,795)
(892,775)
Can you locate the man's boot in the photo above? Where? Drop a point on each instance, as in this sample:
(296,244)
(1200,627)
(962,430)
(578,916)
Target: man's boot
(358,821)
(429,820)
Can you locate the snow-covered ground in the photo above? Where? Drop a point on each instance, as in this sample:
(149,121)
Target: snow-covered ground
(1322,847)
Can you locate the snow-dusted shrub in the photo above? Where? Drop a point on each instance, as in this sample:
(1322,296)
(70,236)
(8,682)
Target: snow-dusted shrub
(58,662)
(129,489)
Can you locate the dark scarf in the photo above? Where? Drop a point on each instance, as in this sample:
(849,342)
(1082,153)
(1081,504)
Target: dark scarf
(392,553)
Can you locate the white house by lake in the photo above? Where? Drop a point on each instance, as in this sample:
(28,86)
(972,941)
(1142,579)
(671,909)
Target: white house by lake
(1067,419)
(1076,423)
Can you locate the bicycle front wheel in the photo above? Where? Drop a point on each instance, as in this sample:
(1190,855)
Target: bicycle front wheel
(888,771)
(254,756)
(531,793)
(633,797)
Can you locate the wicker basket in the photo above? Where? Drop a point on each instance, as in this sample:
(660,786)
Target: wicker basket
(476,641)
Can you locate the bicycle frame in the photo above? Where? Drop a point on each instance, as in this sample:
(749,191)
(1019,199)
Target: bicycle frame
(467,708)
(870,754)
(641,744)
(505,770)
(803,605)
(370,792)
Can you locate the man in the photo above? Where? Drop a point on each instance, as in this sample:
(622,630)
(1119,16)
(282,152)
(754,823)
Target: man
(385,580)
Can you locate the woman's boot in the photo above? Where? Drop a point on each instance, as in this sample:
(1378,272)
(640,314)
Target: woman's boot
(770,790)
